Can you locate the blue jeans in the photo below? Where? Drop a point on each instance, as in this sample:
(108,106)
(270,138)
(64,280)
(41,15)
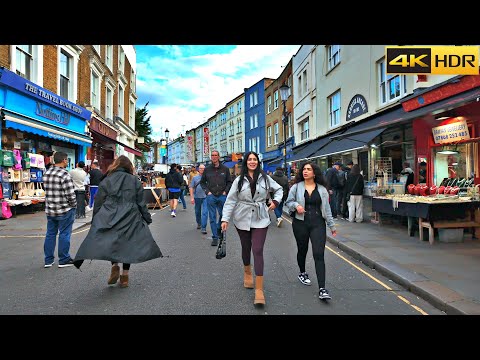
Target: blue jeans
(214,205)
(279,210)
(182,199)
(201,212)
(63,226)
(93,192)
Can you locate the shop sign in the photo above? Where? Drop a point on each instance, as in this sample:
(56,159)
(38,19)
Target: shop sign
(206,142)
(358,106)
(451,133)
(103,129)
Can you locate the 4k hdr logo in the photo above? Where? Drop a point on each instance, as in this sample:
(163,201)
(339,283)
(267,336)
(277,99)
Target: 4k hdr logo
(435,60)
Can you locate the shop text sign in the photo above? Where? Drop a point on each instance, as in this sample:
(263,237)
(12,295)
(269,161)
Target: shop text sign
(435,60)
(451,133)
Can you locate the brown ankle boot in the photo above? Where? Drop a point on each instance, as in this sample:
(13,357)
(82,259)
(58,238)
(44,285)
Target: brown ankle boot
(259,296)
(123,281)
(248,277)
(114,275)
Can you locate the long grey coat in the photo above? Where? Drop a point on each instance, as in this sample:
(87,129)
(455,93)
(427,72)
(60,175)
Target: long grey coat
(119,230)
(250,212)
(296,196)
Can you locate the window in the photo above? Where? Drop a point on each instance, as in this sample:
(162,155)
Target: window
(231,128)
(275,133)
(232,147)
(133,81)
(109,104)
(255,120)
(391,87)
(305,82)
(131,114)
(334,109)
(121,59)
(269,136)
(304,130)
(97,48)
(65,74)
(239,126)
(299,86)
(95,90)
(109,57)
(253,99)
(290,125)
(121,100)
(239,107)
(239,145)
(275,100)
(333,56)
(24,61)
(269,104)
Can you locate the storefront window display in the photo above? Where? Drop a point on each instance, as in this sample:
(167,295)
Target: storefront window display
(454,162)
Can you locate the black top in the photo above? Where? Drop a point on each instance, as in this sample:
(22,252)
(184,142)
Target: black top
(313,208)
(95,177)
(216,180)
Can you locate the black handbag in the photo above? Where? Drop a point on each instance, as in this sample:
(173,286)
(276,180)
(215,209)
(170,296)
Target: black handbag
(222,247)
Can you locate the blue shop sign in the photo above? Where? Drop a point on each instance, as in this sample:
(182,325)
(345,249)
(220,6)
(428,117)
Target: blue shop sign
(36,102)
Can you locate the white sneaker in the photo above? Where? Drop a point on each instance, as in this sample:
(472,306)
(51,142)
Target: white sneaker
(279,221)
(173,213)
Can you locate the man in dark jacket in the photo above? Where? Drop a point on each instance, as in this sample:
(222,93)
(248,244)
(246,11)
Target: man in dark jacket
(334,187)
(95,176)
(216,182)
(173,183)
(281,180)
(344,212)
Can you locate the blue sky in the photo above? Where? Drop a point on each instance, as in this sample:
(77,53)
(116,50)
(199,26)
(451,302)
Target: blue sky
(187,84)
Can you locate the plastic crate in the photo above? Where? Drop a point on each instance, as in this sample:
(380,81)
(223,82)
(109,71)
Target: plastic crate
(450,235)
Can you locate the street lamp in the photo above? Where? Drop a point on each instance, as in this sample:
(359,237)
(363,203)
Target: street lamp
(166,144)
(284,92)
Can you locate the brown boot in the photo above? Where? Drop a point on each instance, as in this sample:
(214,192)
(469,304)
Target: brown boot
(123,281)
(259,296)
(114,275)
(248,277)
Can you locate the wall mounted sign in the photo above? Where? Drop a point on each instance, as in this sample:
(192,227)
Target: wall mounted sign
(451,133)
(356,107)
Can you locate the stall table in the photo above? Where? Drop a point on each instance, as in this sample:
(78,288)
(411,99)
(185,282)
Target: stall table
(432,215)
(150,199)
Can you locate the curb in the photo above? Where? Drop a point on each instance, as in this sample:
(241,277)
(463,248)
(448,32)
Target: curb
(443,298)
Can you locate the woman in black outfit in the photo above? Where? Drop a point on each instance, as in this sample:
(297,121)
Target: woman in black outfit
(308,198)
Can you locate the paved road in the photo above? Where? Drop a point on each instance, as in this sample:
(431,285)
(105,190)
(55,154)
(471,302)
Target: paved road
(189,280)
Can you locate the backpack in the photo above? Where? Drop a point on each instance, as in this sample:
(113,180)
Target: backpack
(169,180)
(341,177)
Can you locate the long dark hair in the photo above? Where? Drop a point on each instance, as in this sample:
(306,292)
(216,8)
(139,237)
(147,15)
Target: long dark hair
(355,170)
(121,162)
(319,178)
(244,171)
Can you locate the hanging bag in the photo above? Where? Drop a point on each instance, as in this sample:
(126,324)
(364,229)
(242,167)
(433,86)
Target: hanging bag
(22,190)
(18,160)
(222,246)
(39,192)
(6,211)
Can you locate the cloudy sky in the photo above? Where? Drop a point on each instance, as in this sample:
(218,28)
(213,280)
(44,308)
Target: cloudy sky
(185,85)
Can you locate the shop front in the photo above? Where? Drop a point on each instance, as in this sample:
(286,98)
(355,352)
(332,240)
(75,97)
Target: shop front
(104,139)
(35,123)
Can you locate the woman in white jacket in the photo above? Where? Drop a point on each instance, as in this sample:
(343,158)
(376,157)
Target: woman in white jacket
(308,198)
(246,200)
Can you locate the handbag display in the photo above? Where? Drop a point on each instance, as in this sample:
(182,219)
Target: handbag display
(6,211)
(222,247)
(39,192)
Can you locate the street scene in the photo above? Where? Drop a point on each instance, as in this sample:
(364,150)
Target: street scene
(244,180)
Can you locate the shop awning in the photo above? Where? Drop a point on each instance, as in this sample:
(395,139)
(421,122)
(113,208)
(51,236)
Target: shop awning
(230,164)
(43,129)
(131,150)
(310,149)
(348,143)
(108,140)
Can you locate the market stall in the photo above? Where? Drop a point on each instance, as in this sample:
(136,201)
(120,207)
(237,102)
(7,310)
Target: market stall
(433,212)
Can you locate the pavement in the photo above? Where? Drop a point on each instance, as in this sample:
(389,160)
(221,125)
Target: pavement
(444,274)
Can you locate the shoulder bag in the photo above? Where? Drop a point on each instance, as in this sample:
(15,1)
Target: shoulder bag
(347,195)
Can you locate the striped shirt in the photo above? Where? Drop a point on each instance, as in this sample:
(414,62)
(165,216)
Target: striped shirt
(59,191)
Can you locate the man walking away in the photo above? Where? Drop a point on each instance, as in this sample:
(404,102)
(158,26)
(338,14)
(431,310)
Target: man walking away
(96,176)
(173,182)
(197,198)
(281,180)
(60,208)
(334,187)
(78,176)
(346,171)
(216,182)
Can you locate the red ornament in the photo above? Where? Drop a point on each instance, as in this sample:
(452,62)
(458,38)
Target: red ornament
(411,189)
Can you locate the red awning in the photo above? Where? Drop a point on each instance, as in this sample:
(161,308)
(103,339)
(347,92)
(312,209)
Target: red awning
(132,150)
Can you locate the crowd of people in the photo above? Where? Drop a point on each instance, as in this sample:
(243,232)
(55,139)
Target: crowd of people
(119,232)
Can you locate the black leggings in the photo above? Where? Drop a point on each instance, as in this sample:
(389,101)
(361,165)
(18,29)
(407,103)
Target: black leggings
(317,233)
(124,266)
(253,241)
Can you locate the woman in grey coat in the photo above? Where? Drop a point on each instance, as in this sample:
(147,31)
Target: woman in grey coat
(119,232)
(246,200)
(308,200)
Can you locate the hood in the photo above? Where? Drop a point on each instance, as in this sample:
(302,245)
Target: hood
(278,173)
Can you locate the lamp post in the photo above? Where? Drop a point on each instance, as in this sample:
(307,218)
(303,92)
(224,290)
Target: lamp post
(166,144)
(284,90)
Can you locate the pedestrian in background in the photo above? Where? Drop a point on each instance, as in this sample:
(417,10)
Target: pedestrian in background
(246,201)
(216,182)
(308,198)
(60,208)
(95,176)
(173,182)
(183,186)
(119,231)
(354,187)
(281,180)
(78,176)
(197,198)
(346,170)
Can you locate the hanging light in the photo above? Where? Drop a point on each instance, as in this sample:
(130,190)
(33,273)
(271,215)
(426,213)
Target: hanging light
(447,151)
